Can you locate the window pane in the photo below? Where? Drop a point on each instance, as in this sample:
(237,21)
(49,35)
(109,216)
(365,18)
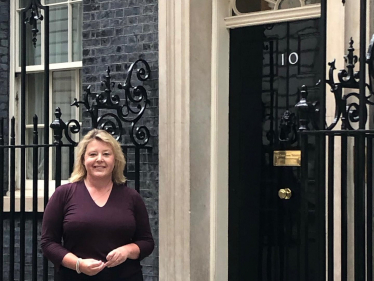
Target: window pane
(34,97)
(23,3)
(77,32)
(58,34)
(30,154)
(33,54)
(63,93)
(54,1)
(246,6)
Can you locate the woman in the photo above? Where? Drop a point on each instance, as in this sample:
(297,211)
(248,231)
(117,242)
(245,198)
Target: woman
(103,224)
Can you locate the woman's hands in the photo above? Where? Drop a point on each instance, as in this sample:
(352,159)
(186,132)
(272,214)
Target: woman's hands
(87,266)
(91,267)
(117,256)
(121,254)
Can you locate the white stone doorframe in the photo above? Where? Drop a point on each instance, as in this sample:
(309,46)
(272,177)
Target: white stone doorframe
(193,130)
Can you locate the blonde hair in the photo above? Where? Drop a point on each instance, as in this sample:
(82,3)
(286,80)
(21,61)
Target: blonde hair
(79,173)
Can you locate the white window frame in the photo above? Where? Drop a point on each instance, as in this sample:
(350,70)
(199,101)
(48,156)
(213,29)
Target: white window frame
(14,91)
(52,66)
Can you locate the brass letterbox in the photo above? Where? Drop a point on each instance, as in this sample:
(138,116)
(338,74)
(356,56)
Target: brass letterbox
(291,158)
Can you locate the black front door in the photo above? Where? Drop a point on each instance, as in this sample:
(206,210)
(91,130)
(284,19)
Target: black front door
(271,238)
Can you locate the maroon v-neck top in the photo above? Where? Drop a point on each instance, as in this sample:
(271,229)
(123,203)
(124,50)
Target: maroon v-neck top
(90,231)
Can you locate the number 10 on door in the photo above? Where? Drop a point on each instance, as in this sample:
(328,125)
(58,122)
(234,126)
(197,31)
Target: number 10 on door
(293,58)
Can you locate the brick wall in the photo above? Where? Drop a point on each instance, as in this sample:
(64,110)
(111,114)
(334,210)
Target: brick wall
(4,57)
(4,69)
(115,34)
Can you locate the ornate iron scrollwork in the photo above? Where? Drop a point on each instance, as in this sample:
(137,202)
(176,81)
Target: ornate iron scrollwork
(346,110)
(135,102)
(35,16)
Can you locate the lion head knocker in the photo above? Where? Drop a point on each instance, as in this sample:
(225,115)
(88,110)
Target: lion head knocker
(287,132)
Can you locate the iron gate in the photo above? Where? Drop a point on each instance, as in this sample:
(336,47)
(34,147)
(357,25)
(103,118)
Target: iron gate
(119,113)
(344,164)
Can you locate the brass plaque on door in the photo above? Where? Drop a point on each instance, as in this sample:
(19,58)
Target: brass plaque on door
(290,158)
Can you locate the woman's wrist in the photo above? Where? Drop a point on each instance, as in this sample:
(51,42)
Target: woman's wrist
(77,266)
(132,251)
(70,261)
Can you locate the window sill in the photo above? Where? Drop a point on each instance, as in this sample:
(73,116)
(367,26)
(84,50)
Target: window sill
(28,204)
(54,66)
(28,200)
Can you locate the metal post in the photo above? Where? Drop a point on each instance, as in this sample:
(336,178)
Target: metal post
(330,197)
(360,266)
(12,198)
(2,161)
(46,122)
(23,151)
(137,169)
(35,161)
(303,217)
(359,207)
(344,210)
(369,208)
(58,127)
(320,142)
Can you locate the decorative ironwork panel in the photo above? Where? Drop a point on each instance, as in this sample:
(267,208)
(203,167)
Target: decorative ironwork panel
(109,111)
(240,7)
(346,94)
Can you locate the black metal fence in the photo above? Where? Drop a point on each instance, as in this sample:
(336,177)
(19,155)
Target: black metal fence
(18,213)
(44,163)
(344,170)
(100,111)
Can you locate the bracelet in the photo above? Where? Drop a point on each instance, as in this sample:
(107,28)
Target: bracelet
(77,266)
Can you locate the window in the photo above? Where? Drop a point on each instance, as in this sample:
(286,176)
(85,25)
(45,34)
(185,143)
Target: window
(65,35)
(258,12)
(65,44)
(244,6)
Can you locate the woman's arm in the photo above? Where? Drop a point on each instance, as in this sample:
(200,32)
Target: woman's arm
(52,228)
(143,236)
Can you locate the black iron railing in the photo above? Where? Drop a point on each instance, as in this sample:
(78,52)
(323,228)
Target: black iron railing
(353,95)
(13,216)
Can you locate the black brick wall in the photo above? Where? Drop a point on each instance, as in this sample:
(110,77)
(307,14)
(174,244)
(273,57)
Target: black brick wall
(4,58)
(4,69)
(115,34)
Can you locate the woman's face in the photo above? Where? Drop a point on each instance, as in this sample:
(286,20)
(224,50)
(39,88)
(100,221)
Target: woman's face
(99,159)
